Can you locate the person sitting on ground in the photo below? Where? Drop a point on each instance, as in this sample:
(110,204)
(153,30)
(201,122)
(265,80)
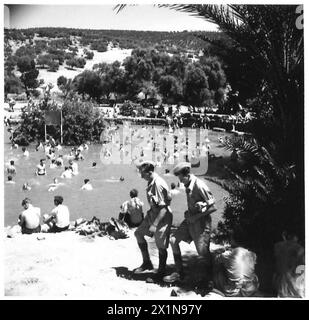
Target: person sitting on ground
(25,152)
(26,186)
(11,170)
(289,277)
(29,219)
(10,180)
(87,185)
(174,191)
(41,168)
(234,274)
(59,219)
(131,211)
(67,173)
(74,166)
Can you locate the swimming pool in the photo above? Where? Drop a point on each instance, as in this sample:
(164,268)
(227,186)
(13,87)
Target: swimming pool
(108,194)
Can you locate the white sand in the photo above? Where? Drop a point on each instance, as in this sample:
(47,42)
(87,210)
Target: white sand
(68,264)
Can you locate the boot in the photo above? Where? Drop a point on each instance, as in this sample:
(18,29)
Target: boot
(178,274)
(147,264)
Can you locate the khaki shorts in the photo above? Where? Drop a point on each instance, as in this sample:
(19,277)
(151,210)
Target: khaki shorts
(162,233)
(199,232)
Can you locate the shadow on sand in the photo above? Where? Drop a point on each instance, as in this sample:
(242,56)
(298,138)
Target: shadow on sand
(198,276)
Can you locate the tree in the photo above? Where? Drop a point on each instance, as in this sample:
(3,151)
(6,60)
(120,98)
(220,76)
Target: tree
(29,73)
(170,88)
(89,82)
(196,88)
(43,60)
(12,84)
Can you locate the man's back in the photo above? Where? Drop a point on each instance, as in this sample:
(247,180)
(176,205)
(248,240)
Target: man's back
(31,217)
(62,214)
(135,209)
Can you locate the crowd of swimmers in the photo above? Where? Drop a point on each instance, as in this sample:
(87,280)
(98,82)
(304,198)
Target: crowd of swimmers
(233,271)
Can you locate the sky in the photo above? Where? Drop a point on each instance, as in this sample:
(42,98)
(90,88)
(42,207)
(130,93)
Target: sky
(137,17)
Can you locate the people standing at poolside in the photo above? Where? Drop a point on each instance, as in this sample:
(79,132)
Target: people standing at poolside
(131,211)
(197,224)
(157,222)
(59,218)
(41,168)
(11,170)
(29,219)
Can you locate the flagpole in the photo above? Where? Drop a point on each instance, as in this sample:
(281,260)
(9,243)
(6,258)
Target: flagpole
(45,133)
(61,138)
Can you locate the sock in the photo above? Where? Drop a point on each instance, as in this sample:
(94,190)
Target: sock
(178,263)
(162,260)
(144,250)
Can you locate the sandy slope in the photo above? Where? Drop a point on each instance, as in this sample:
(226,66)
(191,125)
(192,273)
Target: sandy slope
(68,264)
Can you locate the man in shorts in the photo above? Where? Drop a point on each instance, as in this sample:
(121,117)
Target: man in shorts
(157,222)
(197,224)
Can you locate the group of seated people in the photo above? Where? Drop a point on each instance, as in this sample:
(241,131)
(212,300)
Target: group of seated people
(58,220)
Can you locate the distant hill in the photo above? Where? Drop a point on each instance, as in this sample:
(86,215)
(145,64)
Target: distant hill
(125,39)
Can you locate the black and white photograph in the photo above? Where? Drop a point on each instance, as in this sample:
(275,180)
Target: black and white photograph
(153,152)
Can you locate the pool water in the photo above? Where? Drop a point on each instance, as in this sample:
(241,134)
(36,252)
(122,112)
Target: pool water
(108,192)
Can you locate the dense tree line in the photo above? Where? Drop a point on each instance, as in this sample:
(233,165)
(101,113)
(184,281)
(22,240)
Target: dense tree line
(159,76)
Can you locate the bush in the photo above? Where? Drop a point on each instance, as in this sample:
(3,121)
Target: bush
(259,207)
